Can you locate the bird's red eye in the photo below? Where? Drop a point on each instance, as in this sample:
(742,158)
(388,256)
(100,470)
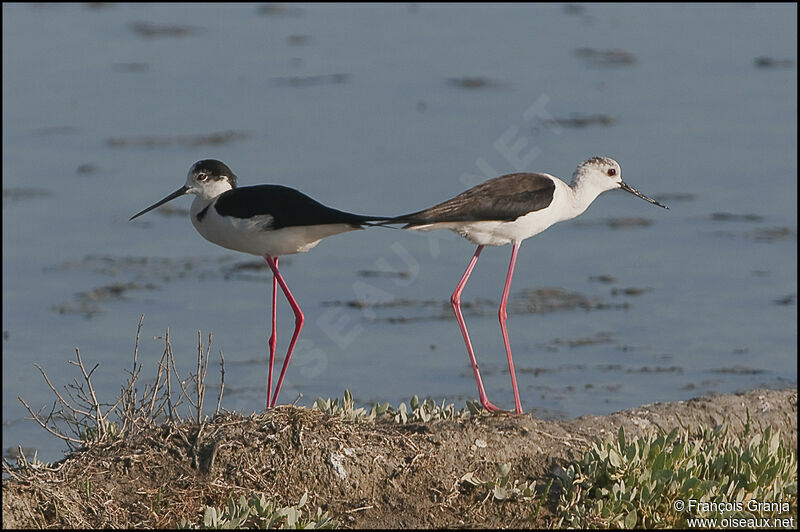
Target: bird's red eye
(612,172)
(202,177)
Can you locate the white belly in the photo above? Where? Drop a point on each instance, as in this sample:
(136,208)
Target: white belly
(252,235)
(496,233)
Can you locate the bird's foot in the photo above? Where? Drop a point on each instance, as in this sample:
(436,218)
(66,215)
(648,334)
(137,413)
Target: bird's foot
(489,406)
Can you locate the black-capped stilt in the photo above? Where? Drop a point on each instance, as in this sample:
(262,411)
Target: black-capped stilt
(264,220)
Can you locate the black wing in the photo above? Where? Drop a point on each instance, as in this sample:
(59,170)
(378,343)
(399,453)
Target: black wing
(503,198)
(287,207)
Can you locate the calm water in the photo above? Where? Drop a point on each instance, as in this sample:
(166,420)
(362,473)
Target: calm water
(384,110)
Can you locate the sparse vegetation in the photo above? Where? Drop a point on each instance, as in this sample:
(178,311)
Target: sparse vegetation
(156,460)
(501,488)
(635,483)
(417,411)
(80,419)
(258,512)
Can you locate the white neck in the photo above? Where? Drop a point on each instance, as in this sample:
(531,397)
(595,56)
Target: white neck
(583,194)
(198,205)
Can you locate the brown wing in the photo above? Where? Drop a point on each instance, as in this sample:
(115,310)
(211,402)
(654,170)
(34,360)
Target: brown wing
(503,198)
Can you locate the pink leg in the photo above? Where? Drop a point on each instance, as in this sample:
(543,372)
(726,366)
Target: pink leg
(455,301)
(502,314)
(298,323)
(273,340)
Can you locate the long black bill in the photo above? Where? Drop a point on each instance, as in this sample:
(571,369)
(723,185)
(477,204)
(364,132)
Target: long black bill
(627,188)
(180,192)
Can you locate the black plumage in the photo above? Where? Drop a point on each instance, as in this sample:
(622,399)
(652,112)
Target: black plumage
(287,207)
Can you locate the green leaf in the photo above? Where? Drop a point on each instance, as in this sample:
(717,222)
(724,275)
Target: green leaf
(503,470)
(690,483)
(614,457)
(671,436)
(659,461)
(774,442)
(210,517)
(292,515)
(677,451)
(631,519)
(414,402)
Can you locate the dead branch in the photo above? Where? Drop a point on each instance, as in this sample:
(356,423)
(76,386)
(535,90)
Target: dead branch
(43,424)
(222,382)
(99,419)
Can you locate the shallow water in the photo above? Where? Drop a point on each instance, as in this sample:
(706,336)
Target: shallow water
(384,110)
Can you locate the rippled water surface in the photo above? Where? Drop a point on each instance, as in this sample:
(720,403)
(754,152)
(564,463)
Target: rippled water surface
(384,110)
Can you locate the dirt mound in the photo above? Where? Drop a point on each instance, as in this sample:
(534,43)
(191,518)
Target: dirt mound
(371,474)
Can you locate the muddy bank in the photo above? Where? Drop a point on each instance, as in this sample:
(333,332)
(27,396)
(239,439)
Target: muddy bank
(370,474)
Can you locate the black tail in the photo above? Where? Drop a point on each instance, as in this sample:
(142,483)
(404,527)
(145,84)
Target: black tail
(373,221)
(409,220)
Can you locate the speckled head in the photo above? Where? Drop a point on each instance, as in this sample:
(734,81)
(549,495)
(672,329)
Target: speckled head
(604,173)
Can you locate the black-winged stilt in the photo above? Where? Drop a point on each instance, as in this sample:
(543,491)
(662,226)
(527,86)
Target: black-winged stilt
(507,210)
(264,220)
